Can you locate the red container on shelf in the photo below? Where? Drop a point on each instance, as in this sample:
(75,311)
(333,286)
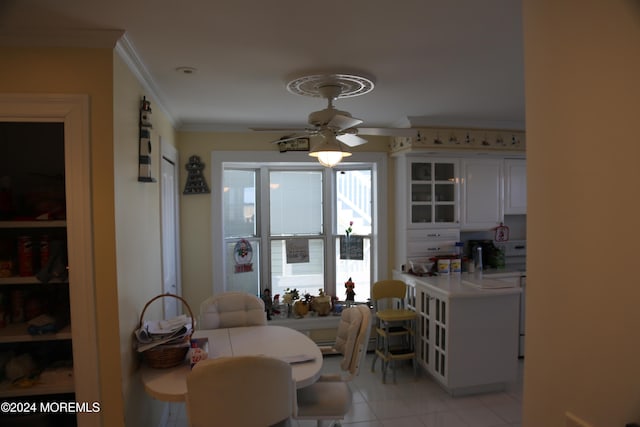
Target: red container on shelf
(25,256)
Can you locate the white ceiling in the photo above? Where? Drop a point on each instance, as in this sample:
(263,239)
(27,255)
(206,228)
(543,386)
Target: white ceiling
(434,62)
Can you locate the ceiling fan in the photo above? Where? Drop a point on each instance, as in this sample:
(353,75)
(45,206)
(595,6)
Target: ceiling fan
(337,129)
(331,120)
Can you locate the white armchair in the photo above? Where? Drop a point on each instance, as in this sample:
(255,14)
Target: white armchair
(232,309)
(330,398)
(242,391)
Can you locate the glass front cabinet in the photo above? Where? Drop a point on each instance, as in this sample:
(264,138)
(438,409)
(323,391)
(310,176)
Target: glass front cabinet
(433,190)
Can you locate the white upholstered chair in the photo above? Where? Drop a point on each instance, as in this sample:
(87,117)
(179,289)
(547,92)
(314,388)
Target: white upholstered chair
(330,399)
(349,328)
(240,391)
(232,309)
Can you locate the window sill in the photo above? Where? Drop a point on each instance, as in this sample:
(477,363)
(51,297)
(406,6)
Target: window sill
(307,323)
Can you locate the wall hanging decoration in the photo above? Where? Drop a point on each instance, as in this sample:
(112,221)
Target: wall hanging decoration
(242,256)
(297,251)
(352,247)
(501,233)
(298,144)
(196,183)
(144,142)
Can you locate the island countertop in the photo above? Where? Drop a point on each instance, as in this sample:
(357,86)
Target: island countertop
(467,334)
(461,285)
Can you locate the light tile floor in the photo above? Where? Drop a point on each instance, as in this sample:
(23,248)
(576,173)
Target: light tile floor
(412,402)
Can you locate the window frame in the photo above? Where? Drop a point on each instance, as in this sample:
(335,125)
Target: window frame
(263,162)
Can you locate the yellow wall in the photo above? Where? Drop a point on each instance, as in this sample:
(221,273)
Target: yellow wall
(138,246)
(85,71)
(582,62)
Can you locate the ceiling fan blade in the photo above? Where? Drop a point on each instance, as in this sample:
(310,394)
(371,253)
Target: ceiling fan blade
(351,140)
(340,122)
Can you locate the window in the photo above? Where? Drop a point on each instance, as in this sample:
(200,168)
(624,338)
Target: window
(293,216)
(239,203)
(296,222)
(354,198)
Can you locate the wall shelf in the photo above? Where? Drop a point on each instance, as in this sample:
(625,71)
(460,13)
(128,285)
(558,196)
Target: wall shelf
(26,280)
(33,224)
(17,332)
(63,384)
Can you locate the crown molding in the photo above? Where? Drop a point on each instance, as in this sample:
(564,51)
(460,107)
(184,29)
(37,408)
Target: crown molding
(61,38)
(125,49)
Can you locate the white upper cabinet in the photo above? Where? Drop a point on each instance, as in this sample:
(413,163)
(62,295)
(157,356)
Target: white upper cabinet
(515,186)
(433,192)
(464,193)
(481,203)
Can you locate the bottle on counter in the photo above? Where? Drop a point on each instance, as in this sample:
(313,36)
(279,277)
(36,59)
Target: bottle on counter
(470,267)
(458,249)
(456,261)
(477,252)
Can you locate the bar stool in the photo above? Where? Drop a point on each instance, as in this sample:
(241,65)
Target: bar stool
(393,323)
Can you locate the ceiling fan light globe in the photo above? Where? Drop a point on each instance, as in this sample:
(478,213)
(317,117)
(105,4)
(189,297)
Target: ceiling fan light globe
(329,158)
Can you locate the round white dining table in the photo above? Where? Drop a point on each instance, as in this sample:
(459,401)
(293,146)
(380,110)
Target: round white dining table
(170,384)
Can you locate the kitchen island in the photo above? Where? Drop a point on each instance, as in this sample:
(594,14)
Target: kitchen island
(467,330)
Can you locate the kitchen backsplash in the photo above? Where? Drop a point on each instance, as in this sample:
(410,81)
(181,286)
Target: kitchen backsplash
(517,230)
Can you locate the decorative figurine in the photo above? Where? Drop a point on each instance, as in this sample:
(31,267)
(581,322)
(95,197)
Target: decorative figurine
(275,310)
(351,295)
(268,302)
(322,304)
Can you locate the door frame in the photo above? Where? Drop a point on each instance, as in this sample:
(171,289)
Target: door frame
(170,153)
(73,112)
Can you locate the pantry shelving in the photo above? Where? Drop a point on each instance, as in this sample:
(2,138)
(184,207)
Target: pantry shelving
(36,340)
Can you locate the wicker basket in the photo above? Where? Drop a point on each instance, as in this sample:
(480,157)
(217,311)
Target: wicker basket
(167,356)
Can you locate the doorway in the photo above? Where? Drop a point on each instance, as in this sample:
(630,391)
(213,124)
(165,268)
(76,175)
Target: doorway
(170,229)
(73,112)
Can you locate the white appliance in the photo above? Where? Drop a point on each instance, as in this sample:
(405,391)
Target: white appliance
(515,254)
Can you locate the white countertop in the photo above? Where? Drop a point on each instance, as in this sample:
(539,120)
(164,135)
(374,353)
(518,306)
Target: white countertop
(508,271)
(464,285)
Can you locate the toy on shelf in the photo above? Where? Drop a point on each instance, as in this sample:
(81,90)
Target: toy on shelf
(350,286)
